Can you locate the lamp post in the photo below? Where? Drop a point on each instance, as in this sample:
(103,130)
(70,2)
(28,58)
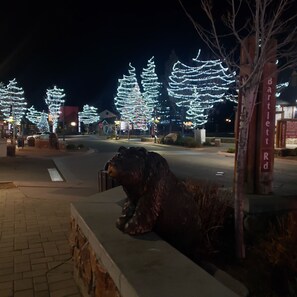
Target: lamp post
(116,124)
(63,111)
(11,120)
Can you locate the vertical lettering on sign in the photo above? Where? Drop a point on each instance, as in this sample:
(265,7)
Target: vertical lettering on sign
(267,125)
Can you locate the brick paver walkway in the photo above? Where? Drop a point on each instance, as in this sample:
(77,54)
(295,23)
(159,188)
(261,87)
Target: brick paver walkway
(34,250)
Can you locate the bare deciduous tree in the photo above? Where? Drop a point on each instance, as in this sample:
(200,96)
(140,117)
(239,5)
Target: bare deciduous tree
(266,20)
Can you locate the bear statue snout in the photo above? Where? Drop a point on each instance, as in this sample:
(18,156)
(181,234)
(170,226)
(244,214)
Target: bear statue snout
(110,169)
(106,166)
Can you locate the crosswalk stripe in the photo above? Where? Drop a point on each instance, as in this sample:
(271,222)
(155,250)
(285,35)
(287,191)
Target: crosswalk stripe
(54,174)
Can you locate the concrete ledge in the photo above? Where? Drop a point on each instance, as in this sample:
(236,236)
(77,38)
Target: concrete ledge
(142,266)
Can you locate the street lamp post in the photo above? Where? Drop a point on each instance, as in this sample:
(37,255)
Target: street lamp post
(11,120)
(63,110)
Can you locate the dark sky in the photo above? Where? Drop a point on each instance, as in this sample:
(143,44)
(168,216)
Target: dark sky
(85,46)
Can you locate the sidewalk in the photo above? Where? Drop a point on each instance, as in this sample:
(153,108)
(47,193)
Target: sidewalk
(35,259)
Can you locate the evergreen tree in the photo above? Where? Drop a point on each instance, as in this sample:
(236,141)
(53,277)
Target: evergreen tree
(89,115)
(168,103)
(197,88)
(126,96)
(13,103)
(141,113)
(151,86)
(42,124)
(33,115)
(196,113)
(54,100)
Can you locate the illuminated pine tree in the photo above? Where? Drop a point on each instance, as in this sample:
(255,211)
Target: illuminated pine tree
(141,115)
(197,88)
(13,103)
(151,86)
(89,115)
(125,99)
(196,112)
(43,124)
(2,93)
(33,115)
(54,100)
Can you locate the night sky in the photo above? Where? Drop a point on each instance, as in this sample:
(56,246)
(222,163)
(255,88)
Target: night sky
(86,46)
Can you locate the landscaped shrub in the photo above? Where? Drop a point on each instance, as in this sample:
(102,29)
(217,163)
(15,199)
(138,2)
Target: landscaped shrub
(186,141)
(31,141)
(207,143)
(231,150)
(70,146)
(80,146)
(287,152)
(278,247)
(215,209)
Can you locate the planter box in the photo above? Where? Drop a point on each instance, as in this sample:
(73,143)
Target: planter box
(109,263)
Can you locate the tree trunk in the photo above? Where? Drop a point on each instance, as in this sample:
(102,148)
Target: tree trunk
(239,189)
(245,114)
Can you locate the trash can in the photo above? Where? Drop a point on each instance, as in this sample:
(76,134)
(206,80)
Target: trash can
(11,150)
(3,148)
(20,142)
(105,182)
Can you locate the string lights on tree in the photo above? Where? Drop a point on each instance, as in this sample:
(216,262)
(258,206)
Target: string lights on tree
(125,98)
(43,124)
(54,100)
(197,88)
(33,115)
(141,113)
(13,103)
(88,115)
(151,86)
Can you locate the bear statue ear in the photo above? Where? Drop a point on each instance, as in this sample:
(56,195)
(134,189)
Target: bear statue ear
(143,151)
(122,149)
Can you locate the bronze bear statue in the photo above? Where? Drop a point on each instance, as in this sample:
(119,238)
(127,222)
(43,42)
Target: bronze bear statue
(156,199)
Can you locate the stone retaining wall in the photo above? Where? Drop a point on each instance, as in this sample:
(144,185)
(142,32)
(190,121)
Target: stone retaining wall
(89,272)
(109,263)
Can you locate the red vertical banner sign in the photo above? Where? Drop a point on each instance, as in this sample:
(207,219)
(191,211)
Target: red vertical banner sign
(267,128)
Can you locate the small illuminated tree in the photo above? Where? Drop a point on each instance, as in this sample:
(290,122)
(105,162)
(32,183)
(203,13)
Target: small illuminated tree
(196,112)
(141,115)
(33,115)
(13,103)
(125,99)
(54,100)
(88,116)
(150,85)
(43,124)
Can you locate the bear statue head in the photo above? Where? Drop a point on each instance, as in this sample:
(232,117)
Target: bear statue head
(128,166)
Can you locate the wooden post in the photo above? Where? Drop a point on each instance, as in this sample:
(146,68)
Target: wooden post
(260,147)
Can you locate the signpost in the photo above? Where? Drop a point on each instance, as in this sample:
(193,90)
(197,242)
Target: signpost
(260,147)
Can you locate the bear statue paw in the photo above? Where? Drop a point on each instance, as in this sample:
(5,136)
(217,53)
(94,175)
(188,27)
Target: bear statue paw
(121,222)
